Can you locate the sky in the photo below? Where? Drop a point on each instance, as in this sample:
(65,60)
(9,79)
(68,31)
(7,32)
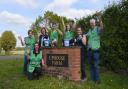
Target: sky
(18,15)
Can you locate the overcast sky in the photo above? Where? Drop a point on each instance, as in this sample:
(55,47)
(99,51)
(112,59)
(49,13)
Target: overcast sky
(17,15)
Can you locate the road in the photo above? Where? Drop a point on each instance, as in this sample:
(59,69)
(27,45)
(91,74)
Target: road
(11,57)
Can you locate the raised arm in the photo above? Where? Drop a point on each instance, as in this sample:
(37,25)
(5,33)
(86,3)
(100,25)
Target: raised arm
(101,25)
(99,15)
(61,33)
(63,24)
(22,43)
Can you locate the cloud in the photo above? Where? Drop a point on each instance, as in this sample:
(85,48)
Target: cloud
(26,3)
(14,19)
(64,8)
(75,13)
(61,3)
(93,0)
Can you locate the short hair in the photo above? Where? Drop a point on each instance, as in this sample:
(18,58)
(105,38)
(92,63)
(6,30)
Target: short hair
(92,21)
(29,31)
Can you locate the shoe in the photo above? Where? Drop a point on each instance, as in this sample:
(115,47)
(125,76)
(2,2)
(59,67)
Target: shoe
(97,82)
(84,79)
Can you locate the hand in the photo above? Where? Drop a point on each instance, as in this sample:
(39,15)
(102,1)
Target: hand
(84,39)
(43,64)
(28,57)
(80,36)
(99,15)
(39,33)
(19,37)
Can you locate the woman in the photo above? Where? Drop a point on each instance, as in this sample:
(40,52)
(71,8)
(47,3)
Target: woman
(68,34)
(80,41)
(44,38)
(34,67)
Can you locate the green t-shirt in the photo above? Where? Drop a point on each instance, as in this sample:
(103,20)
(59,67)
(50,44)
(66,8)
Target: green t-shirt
(94,38)
(29,44)
(54,35)
(34,61)
(68,35)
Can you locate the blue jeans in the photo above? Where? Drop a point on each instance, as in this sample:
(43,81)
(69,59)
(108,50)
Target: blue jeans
(93,56)
(83,73)
(25,64)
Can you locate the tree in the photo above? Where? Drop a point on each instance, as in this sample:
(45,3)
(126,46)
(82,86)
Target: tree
(8,41)
(0,46)
(114,40)
(51,18)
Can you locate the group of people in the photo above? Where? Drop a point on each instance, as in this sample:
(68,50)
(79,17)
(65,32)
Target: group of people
(33,59)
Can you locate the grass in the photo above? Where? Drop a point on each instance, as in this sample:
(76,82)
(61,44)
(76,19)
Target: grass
(11,77)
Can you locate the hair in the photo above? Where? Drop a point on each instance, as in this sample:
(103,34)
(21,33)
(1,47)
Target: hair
(42,29)
(34,51)
(80,28)
(92,20)
(66,27)
(29,31)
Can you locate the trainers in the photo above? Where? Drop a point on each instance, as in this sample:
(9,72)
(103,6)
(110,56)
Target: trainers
(83,80)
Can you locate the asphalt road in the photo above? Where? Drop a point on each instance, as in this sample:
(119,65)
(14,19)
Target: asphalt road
(11,57)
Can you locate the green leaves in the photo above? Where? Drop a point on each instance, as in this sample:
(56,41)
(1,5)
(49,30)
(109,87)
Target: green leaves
(114,40)
(0,46)
(8,41)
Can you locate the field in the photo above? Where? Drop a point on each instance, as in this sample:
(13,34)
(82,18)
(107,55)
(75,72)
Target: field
(11,77)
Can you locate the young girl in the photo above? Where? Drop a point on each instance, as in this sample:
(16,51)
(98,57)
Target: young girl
(80,41)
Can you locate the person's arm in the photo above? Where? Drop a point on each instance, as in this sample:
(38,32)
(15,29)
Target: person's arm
(22,43)
(63,25)
(84,40)
(101,25)
(99,15)
(40,39)
(61,33)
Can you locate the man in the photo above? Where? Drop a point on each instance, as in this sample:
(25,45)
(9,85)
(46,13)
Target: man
(29,45)
(93,37)
(54,35)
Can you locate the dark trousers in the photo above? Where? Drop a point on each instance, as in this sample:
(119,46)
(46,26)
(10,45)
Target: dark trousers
(36,73)
(83,73)
(25,64)
(93,56)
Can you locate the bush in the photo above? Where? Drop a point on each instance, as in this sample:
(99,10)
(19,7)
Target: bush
(114,39)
